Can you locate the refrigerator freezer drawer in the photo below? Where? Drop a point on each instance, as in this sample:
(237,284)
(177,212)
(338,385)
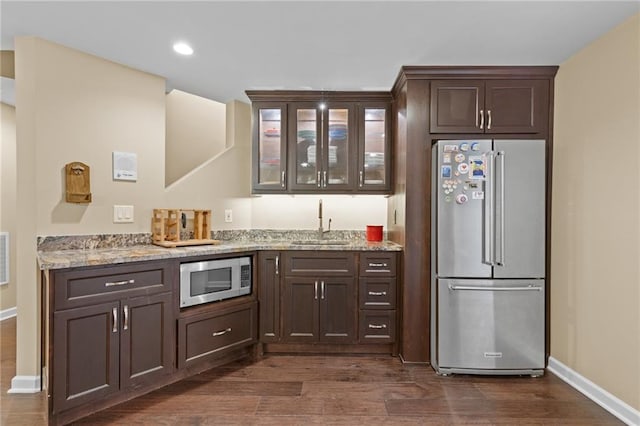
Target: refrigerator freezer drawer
(490,325)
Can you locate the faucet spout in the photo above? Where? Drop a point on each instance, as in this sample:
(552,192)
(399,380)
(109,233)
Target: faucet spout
(321,230)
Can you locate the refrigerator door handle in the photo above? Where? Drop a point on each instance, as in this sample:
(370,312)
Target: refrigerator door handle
(530,287)
(500,257)
(488,231)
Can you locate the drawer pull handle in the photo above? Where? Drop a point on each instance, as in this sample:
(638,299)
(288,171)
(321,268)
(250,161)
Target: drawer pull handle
(377,293)
(377,326)
(114,315)
(220,333)
(377,265)
(115,283)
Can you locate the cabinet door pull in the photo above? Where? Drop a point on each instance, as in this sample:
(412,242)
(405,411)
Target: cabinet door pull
(282,176)
(319,178)
(489,122)
(324,179)
(322,289)
(126,318)
(114,317)
(378,326)
(481,119)
(277,264)
(377,265)
(315,290)
(220,333)
(377,293)
(115,283)
(361,178)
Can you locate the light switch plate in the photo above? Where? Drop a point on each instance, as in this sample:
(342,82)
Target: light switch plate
(228,215)
(122,214)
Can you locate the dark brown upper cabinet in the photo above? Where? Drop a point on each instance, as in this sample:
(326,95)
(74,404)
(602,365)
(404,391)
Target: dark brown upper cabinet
(307,142)
(322,146)
(489,106)
(374,149)
(269,147)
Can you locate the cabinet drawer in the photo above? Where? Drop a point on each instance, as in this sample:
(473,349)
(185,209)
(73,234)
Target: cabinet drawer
(375,264)
(82,287)
(311,263)
(378,293)
(209,335)
(377,326)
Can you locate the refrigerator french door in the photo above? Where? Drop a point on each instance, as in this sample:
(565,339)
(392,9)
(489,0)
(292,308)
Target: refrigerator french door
(488,248)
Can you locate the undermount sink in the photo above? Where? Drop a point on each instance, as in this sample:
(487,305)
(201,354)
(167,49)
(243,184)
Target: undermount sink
(320,243)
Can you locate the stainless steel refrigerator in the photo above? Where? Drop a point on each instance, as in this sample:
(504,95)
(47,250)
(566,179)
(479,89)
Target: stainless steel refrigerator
(488,257)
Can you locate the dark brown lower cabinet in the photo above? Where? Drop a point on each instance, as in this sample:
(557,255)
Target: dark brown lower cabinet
(377,326)
(103,349)
(87,353)
(209,335)
(269,295)
(319,309)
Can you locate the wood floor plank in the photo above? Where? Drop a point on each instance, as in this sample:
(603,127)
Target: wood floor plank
(282,406)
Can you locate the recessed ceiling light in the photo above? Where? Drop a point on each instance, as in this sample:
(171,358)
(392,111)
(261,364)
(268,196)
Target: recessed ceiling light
(183,48)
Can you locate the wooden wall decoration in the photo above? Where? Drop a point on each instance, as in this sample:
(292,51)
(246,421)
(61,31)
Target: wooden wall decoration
(77,183)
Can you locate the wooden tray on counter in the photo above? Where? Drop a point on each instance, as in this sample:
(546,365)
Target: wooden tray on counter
(185,243)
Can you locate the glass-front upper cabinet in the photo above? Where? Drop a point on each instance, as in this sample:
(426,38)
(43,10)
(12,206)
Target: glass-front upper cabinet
(332,142)
(325,143)
(373,147)
(269,149)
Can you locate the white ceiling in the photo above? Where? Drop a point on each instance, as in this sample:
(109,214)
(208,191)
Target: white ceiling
(333,45)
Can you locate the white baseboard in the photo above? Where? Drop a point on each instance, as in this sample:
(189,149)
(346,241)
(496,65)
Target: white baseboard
(25,384)
(609,402)
(8,313)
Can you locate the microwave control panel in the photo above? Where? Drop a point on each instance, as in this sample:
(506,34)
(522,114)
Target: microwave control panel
(245,276)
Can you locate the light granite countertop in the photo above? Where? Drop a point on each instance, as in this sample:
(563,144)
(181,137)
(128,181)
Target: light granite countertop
(71,258)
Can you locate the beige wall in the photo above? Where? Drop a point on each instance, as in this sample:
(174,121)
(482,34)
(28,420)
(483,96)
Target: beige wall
(195,132)
(8,199)
(595,275)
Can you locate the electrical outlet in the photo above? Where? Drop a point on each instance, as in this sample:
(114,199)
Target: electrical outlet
(122,214)
(228,215)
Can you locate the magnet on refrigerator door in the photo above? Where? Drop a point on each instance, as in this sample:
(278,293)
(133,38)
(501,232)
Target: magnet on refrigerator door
(446,171)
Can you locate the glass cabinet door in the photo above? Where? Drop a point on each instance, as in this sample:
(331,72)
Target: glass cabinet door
(336,168)
(269,171)
(374,148)
(305,152)
(324,147)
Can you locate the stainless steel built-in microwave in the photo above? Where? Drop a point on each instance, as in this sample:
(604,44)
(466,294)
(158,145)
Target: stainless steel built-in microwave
(212,280)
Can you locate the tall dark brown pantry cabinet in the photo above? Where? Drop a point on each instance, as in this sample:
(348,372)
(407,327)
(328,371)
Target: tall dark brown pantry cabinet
(439,103)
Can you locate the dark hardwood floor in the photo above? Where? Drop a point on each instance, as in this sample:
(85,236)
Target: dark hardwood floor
(340,390)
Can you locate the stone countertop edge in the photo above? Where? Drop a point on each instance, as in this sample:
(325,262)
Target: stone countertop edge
(74,258)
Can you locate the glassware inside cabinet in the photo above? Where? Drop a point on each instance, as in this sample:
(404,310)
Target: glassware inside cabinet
(338,147)
(270,128)
(374,146)
(306,146)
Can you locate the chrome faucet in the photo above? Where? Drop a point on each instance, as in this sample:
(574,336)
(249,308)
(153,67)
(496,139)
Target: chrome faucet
(321,231)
